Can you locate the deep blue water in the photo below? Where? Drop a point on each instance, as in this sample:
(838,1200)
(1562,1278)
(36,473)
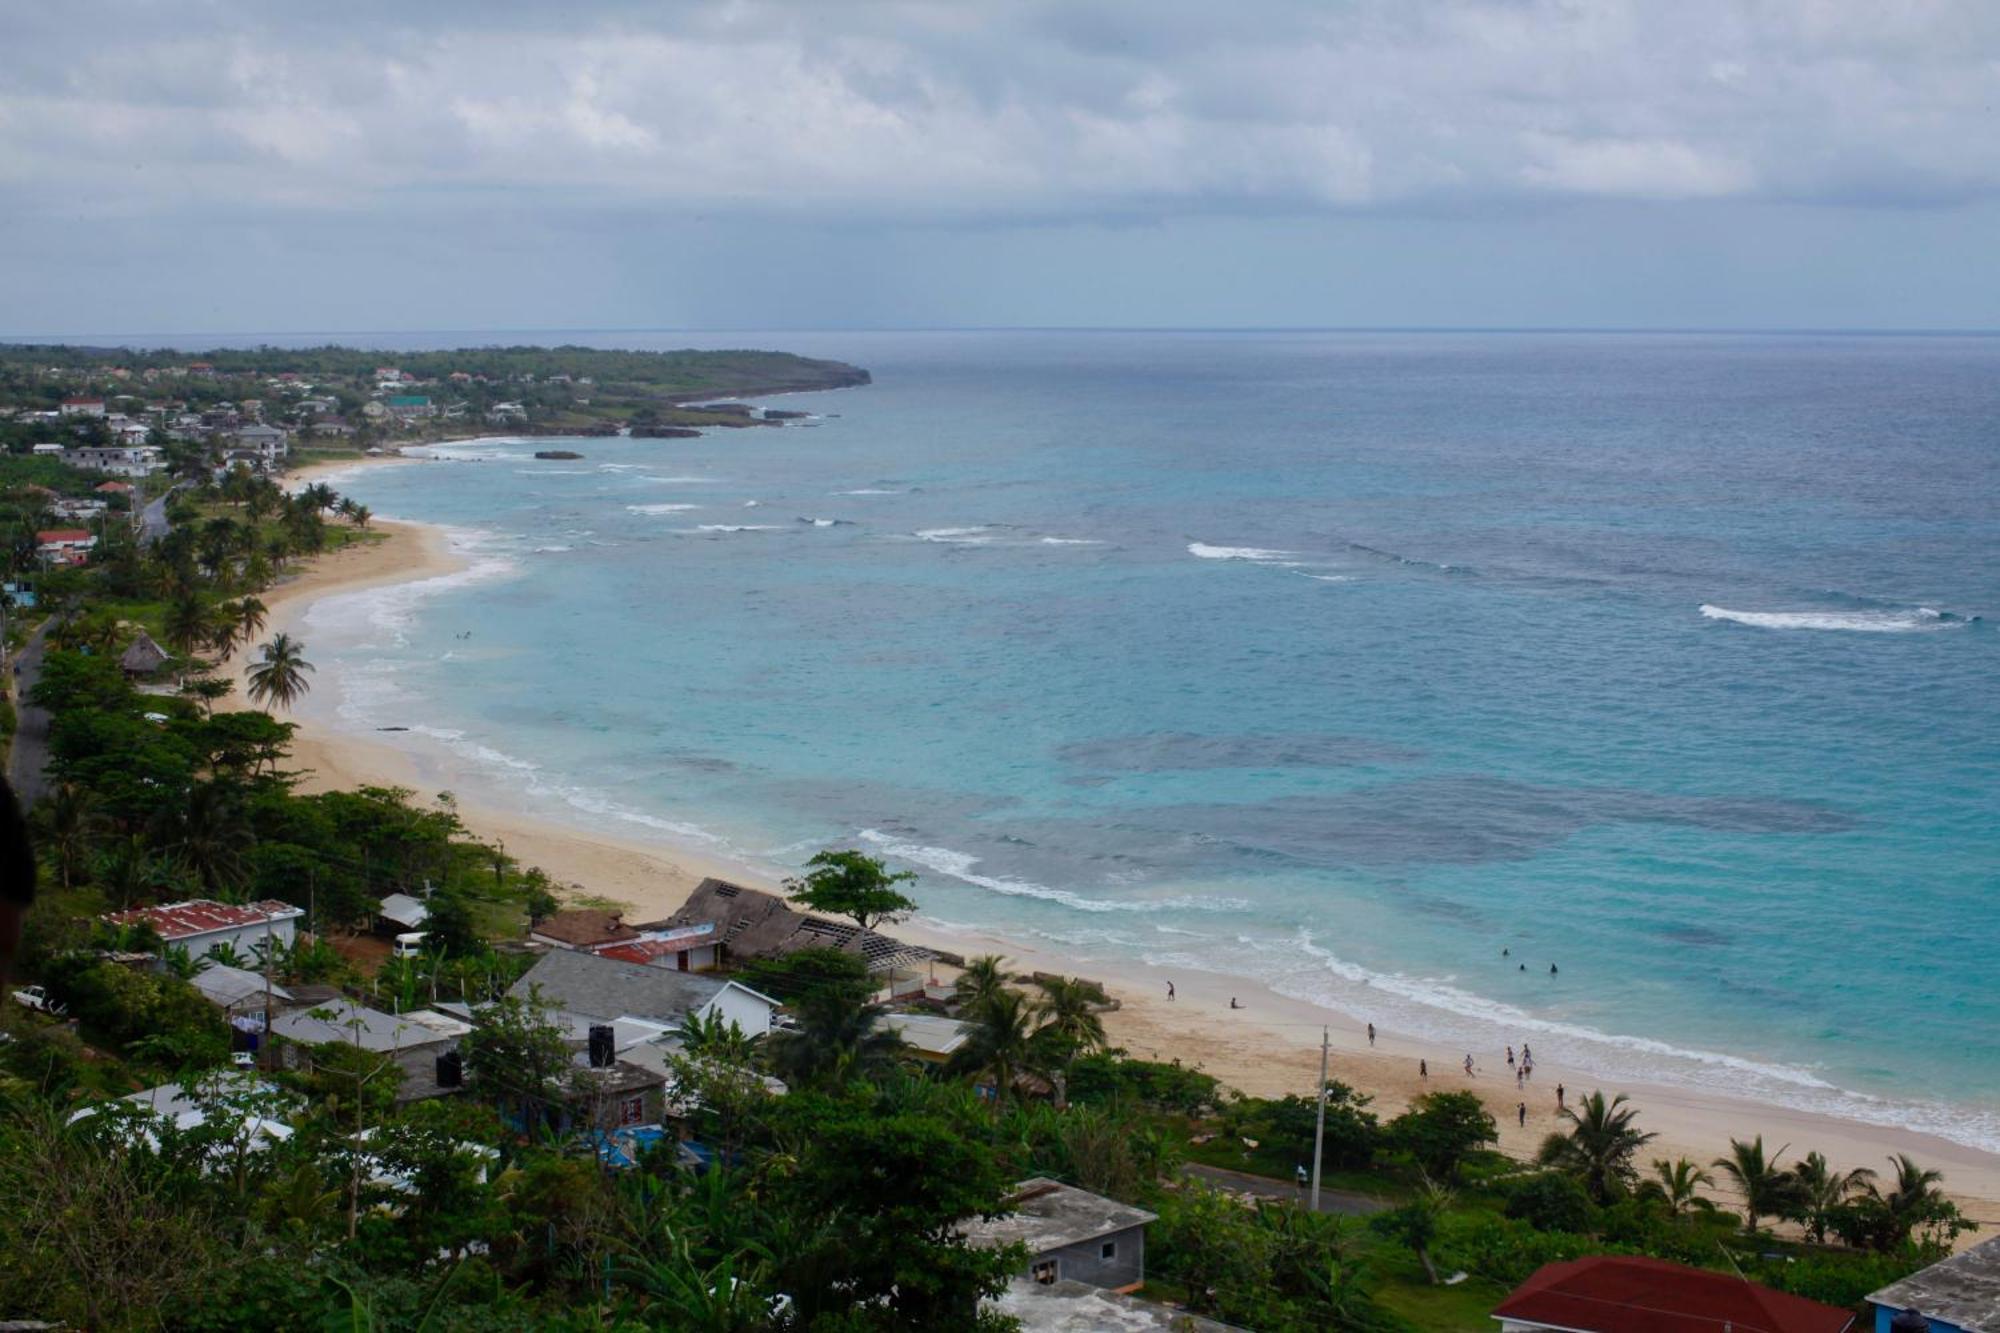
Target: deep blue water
(1341,660)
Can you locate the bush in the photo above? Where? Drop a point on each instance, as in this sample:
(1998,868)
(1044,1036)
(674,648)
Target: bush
(1551,1201)
(1838,1279)
(1507,1252)
(1442,1129)
(1165,1086)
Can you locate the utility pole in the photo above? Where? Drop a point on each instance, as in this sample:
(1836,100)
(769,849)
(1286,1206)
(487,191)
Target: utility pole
(1319,1123)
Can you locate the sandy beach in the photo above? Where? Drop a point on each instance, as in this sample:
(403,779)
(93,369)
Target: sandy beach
(1268,1047)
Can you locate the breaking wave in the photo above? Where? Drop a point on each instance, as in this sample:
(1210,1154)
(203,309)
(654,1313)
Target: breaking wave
(959,866)
(1915,620)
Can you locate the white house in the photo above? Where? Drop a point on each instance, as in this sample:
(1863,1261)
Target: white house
(586,986)
(83,407)
(64,546)
(268,441)
(120,460)
(202,925)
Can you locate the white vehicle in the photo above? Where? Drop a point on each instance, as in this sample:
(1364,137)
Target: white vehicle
(36,998)
(409,944)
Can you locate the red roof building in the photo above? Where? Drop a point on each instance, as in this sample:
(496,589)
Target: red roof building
(114,488)
(201,924)
(1617,1294)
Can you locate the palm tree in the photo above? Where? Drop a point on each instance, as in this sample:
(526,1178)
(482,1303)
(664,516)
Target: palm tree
(1069,1018)
(209,834)
(835,1041)
(74,825)
(1002,1043)
(1676,1183)
(240,621)
(1821,1190)
(1913,1196)
(280,675)
(1602,1138)
(190,624)
(983,978)
(1766,1191)
(359,516)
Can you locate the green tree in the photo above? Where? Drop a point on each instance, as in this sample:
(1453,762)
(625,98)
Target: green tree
(1001,1046)
(518,1055)
(1442,1129)
(1766,1191)
(1070,1023)
(1415,1224)
(1602,1140)
(280,674)
(1822,1191)
(983,978)
(1677,1184)
(850,884)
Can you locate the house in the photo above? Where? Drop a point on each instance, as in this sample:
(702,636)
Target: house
(78,511)
(506,412)
(933,1037)
(1078,1307)
(422,1044)
(1071,1234)
(603,989)
(230,1099)
(47,450)
(267,441)
(240,994)
(144,657)
(120,460)
(64,546)
(399,912)
(581,928)
(1619,1294)
(113,488)
(684,949)
(83,407)
(750,923)
(410,406)
(607,1093)
(1958,1295)
(201,925)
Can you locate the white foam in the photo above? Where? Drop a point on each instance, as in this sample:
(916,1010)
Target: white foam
(659,509)
(390,610)
(958,865)
(1254,554)
(751,504)
(680,481)
(552,549)
(1071,541)
(553,472)
(1865,622)
(976,536)
(739,527)
(869,490)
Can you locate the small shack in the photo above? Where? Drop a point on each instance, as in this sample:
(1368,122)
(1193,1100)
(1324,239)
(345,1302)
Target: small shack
(1071,1234)
(144,657)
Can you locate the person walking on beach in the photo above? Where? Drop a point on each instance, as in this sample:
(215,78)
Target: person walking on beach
(1526,1054)
(1468,1064)
(1170,990)
(1423,1069)
(1371,1034)
(1233,1003)
(1559,1096)
(1510,1057)
(1522,1111)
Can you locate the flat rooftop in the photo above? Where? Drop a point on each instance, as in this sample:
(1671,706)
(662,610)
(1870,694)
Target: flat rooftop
(1963,1290)
(1048,1215)
(1078,1307)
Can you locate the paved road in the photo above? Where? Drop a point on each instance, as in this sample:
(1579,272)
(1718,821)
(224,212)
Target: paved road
(1330,1200)
(153,523)
(31,732)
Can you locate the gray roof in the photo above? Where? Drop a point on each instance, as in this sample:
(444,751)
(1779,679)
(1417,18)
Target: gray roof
(1077,1307)
(1963,1291)
(231,986)
(605,989)
(351,1024)
(1048,1215)
(404,910)
(932,1034)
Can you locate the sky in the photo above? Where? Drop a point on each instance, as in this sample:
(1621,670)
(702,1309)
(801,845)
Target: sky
(208,166)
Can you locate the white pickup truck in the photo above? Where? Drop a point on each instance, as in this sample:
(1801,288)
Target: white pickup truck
(36,998)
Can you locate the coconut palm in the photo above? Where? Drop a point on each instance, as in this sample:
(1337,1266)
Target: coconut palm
(1913,1196)
(190,624)
(1675,1183)
(1598,1149)
(1821,1190)
(74,826)
(280,674)
(1766,1191)
(1002,1043)
(983,978)
(835,1041)
(1069,1018)
(207,832)
(359,516)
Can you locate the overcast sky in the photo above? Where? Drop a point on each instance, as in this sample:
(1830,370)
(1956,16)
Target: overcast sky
(446,164)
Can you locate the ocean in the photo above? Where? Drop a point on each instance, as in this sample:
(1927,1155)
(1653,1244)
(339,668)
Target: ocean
(1343,661)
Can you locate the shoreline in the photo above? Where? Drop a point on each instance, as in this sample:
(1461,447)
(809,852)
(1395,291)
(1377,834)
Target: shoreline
(1267,1048)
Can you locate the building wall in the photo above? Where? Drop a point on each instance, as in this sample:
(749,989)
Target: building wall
(243,937)
(1884,1313)
(1085,1262)
(746,1011)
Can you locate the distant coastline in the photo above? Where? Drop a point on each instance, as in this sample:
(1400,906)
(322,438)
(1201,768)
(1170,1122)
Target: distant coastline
(1267,1048)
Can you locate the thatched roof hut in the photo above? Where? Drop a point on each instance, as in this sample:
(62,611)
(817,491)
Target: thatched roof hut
(144,657)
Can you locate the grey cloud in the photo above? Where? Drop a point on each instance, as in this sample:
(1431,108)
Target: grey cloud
(1037,112)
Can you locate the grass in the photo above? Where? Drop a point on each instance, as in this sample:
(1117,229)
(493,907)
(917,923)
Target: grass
(1465,1308)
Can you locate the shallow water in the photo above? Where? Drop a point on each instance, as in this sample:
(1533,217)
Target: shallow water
(1341,660)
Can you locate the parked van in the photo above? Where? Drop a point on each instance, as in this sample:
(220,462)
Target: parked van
(409,945)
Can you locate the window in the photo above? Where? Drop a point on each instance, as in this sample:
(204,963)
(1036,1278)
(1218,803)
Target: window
(1044,1272)
(1109,1250)
(632,1111)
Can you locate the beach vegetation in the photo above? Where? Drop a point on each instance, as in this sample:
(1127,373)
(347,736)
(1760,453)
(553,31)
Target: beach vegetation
(1766,1190)
(853,885)
(280,674)
(1441,1130)
(1598,1148)
(1677,1185)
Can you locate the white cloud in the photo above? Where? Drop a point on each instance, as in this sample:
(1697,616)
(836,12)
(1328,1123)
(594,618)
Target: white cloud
(1004,110)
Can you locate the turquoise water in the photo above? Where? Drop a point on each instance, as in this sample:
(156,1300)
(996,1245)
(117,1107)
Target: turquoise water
(1344,661)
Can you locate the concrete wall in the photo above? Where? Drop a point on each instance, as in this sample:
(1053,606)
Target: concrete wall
(244,937)
(746,1011)
(1884,1313)
(1085,1262)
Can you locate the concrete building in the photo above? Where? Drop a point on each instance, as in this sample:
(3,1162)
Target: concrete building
(201,925)
(932,1036)
(684,949)
(417,1042)
(583,985)
(64,546)
(1071,1235)
(1958,1295)
(1078,1307)
(120,460)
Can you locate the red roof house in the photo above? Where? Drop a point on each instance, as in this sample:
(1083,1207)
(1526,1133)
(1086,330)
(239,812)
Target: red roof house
(114,488)
(201,924)
(1619,1294)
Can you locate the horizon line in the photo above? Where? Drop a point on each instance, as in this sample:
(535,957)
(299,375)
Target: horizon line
(1626,330)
